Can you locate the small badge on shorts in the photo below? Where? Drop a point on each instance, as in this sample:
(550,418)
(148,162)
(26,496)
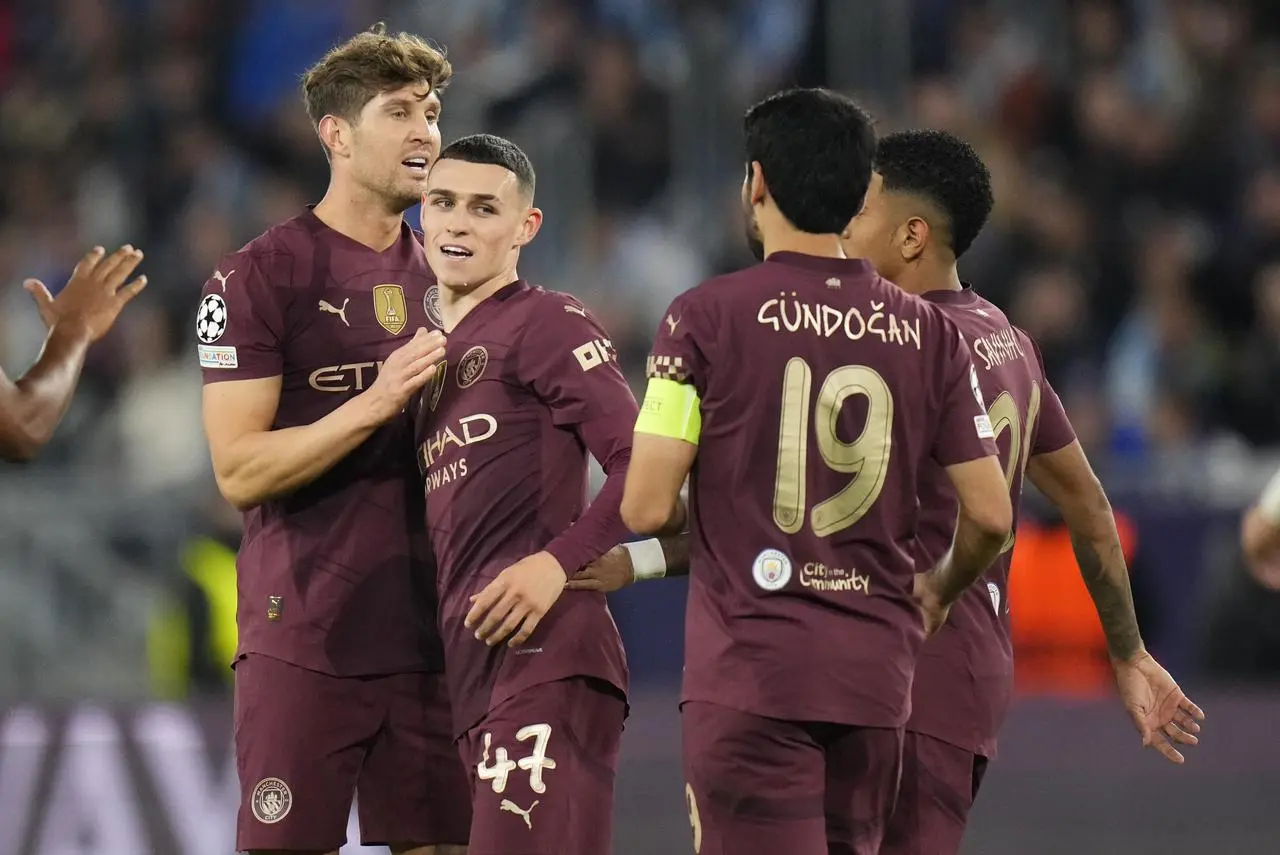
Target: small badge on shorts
(271,801)
(994,591)
(275,604)
(771,570)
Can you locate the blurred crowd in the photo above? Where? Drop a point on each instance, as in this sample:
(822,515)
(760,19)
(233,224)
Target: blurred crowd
(1135,146)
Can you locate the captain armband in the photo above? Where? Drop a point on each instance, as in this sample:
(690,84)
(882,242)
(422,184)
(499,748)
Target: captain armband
(672,410)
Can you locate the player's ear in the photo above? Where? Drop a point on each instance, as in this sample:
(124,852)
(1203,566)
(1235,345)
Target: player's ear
(336,136)
(756,188)
(529,228)
(913,237)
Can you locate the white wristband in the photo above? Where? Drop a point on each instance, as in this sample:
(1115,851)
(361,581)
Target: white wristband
(647,559)
(1269,502)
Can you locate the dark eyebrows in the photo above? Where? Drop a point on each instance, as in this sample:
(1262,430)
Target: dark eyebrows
(441,193)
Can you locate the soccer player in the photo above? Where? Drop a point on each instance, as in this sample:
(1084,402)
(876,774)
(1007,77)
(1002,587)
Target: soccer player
(1260,535)
(930,196)
(312,339)
(531,386)
(82,313)
(811,393)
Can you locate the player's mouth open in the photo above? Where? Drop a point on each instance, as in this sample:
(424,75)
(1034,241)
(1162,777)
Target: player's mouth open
(417,164)
(454,251)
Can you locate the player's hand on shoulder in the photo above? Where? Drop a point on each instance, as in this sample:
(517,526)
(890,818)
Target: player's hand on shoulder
(94,295)
(517,600)
(1163,715)
(932,609)
(409,367)
(610,572)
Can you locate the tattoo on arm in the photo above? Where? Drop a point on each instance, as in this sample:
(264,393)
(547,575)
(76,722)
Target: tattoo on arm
(1106,575)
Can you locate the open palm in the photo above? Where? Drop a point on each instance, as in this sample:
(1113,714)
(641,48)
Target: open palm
(1162,714)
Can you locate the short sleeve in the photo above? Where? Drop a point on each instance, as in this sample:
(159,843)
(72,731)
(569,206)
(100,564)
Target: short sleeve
(239,323)
(964,430)
(679,348)
(571,364)
(1053,429)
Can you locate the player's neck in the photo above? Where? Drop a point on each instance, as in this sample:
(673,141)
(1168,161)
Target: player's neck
(924,278)
(363,218)
(823,246)
(778,234)
(457,303)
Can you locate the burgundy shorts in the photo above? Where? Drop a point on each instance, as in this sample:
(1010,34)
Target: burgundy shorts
(306,742)
(542,769)
(939,784)
(763,786)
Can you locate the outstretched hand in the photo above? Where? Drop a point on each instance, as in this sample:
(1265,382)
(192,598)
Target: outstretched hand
(1162,714)
(95,293)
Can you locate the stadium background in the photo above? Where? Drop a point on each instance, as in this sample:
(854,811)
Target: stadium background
(1136,151)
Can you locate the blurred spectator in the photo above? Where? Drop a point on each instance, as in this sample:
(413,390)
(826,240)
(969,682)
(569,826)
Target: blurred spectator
(1134,147)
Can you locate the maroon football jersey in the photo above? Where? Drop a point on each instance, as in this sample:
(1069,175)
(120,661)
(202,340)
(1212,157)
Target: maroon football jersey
(337,577)
(964,677)
(824,390)
(531,386)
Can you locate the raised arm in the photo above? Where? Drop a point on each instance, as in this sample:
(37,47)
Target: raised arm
(83,312)
(253,463)
(242,330)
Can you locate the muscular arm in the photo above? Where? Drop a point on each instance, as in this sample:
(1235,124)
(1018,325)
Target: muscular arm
(253,463)
(1067,480)
(32,407)
(986,515)
(652,503)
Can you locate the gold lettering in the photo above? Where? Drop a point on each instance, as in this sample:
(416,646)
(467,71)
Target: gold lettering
(343,378)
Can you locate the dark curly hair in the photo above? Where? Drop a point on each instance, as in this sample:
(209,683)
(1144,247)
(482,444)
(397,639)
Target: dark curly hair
(943,169)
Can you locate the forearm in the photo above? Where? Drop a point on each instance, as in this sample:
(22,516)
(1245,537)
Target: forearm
(268,464)
(659,557)
(597,531)
(973,549)
(38,401)
(1066,479)
(1096,543)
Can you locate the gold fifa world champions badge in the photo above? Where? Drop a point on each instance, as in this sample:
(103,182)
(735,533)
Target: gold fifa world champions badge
(389,308)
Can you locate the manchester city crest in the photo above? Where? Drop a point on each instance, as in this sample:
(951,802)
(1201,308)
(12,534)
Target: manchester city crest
(471,366)
(271,800)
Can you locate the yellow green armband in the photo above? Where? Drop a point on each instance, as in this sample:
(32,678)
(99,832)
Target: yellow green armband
(671,409)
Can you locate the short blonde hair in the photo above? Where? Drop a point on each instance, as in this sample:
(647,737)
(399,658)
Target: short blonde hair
(355,72)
